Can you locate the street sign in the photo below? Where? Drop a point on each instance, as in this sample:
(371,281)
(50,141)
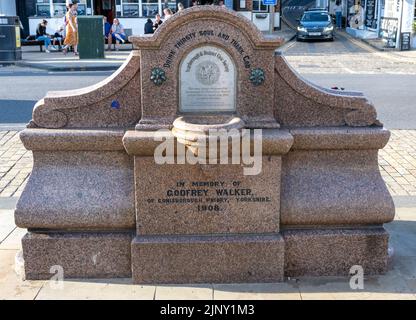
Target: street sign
(269,2)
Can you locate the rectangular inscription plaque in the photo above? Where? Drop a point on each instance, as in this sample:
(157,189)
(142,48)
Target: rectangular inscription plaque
(207,81)
(195,199)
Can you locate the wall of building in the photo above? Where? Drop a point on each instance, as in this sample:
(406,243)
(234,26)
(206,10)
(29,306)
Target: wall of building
(25,9)
(27,12)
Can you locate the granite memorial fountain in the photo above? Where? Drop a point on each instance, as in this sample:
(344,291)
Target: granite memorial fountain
(99,204)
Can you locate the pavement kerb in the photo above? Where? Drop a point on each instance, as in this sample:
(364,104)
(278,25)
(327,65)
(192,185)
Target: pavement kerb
(53,68)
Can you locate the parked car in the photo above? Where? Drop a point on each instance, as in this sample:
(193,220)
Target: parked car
(315,24)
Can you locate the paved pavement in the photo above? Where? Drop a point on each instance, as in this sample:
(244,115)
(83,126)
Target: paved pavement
(57,61)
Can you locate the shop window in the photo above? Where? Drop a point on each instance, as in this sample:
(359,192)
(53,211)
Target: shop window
(171,5)
(43,8)
(240,5)
(150,8)
(59,8)
(82,9)
(131,9)
(258,6)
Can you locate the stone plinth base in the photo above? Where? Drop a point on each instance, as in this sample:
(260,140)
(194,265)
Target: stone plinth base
(199,259)
(333,252)
(81,255)
(206,259)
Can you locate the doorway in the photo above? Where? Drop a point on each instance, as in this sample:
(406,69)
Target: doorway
(105,8)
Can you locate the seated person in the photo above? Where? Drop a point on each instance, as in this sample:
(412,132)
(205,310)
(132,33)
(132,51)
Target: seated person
(58,37)
(158,22)
(41,34)
(148,27)
(106,29)
(117,33)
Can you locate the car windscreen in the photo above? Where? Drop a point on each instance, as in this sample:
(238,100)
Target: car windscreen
(315,16)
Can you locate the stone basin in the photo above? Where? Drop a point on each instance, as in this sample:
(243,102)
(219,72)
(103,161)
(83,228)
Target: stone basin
(197,132)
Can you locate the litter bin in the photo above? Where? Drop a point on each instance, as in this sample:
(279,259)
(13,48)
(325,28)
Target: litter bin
(90,37)
(10,48)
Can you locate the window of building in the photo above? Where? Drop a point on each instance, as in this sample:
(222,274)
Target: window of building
(240,5)
(131,8)
(258,6)
(43,8)
(57,8)
(170,4)
(150,8)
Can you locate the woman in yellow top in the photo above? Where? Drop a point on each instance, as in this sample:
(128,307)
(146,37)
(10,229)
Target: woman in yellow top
(71,36)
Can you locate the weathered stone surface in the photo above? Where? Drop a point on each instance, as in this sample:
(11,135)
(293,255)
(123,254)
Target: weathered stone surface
(333,187)
(339,138)
(81,255)
(204,259)
(235,204)
(143,143)
(304,104)
(190,29)
(326,252)
(91,107)
(78,190)
(72,140)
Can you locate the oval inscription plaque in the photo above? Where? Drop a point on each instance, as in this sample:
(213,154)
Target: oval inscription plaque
(207,79)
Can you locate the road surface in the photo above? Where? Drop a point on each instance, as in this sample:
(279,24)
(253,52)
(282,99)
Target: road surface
(388,79)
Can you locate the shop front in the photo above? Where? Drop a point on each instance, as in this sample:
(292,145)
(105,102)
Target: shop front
(390,20)
(133,14)
(363,18)
(396,23)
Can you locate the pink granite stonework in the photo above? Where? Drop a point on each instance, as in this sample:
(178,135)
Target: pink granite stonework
(99,205)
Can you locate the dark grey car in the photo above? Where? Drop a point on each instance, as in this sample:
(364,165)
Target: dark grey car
(315,25)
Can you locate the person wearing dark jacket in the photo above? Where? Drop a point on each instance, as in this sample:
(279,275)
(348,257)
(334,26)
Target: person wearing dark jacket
(41,34)
(148,27)
(157,23)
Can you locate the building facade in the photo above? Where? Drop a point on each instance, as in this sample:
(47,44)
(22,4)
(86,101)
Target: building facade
(390,20)
(133,14)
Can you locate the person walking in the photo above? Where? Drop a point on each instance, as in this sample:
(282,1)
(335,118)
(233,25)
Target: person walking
(117,34)
(71,34)
(42,35)
(338,14)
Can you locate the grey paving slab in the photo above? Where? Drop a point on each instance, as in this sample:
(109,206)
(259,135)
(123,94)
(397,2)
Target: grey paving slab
(256,291)
(12,287)
(117,289)
(184,292)
(6,224)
